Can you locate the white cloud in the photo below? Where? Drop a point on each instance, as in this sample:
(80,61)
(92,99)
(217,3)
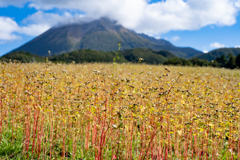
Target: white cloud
(40,21)
(237,46)
(205,51)
(217,45)
(191,15)
(139,15)
(52,19)
(237,3)
(175,38)
(35,24)
(34,29)
(8,28)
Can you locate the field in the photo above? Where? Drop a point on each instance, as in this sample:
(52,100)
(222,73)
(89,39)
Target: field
(118,111)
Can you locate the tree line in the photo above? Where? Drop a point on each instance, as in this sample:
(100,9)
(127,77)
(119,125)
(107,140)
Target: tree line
(230,62)
(131,55)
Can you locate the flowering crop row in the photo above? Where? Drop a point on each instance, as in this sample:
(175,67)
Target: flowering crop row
(121,111)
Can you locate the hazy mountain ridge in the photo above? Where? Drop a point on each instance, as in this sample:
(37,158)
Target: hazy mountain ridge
(101,35)
(212,55)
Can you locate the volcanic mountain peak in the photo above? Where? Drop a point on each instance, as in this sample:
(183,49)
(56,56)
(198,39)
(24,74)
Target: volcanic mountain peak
(102,34)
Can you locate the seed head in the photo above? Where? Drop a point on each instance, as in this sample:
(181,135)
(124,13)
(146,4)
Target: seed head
(180,73)
(141,59)
(167,69)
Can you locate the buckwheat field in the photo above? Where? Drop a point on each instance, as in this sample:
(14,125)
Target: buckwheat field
(118,111)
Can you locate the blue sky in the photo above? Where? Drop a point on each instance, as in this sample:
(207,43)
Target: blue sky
(204,25)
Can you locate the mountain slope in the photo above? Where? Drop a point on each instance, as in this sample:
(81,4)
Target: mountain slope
(184,52)
(218,52)
(102,35)
(158,41)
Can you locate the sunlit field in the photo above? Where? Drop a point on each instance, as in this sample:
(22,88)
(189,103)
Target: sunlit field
(118,111)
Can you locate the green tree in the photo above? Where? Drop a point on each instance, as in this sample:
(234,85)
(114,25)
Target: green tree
(222,60)
(238,60)
(231,62)
(199,62)
(178,62)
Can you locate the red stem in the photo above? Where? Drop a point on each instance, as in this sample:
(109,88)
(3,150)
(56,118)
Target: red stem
(35,129)
(153,135)
(40,136)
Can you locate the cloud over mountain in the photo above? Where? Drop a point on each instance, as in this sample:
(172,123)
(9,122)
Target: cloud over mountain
(139,15)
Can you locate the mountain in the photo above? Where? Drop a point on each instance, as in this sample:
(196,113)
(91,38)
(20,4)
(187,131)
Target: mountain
(101,35)
(219,52)
(158,41)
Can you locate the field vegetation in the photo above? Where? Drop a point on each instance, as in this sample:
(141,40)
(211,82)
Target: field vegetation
(118,111)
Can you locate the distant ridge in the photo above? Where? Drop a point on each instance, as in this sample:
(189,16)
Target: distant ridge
(212,55)
(101,35)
